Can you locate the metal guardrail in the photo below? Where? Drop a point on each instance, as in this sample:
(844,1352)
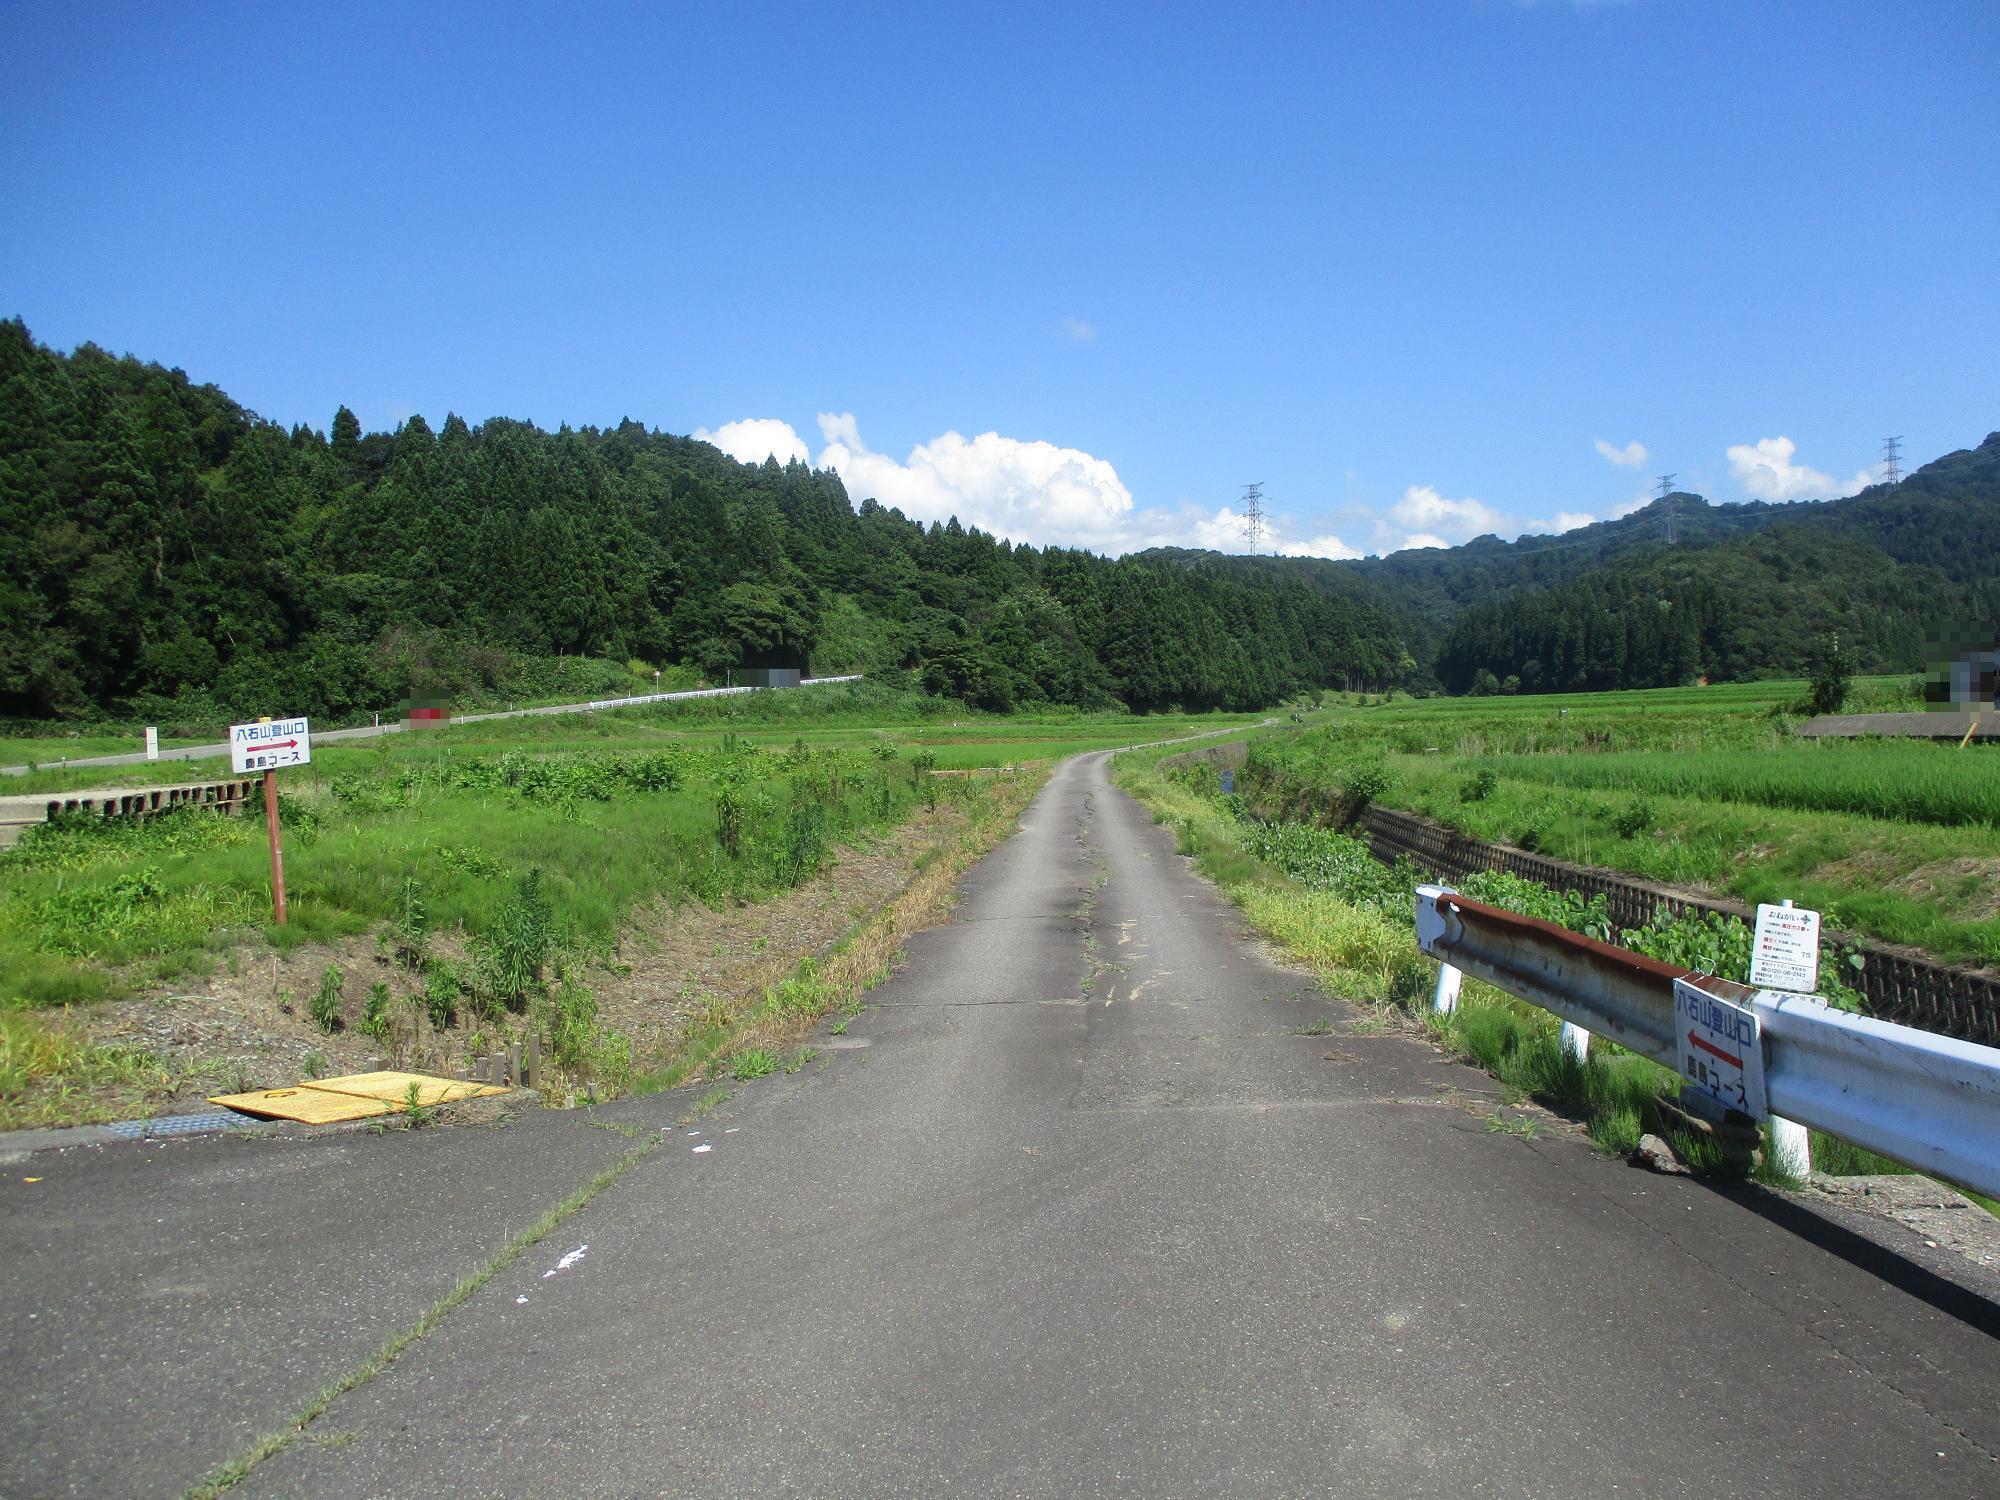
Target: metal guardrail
(1928,1101)
(1898,985)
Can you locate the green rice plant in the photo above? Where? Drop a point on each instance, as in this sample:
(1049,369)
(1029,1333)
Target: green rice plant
(1909,781)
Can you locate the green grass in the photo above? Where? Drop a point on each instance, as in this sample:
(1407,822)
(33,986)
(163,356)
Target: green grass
(48,750)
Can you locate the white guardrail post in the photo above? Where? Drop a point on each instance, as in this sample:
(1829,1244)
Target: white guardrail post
(1928,1101)
(1444,1000)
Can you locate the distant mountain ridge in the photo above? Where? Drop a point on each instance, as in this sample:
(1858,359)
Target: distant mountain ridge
(1893,563)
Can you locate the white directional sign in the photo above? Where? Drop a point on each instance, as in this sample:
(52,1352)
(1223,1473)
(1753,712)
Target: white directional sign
(1785,954)
(1721,1049)
(269,745)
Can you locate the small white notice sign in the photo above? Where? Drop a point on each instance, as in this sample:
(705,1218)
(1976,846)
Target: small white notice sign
(1785,953)
(1721,1049)
(269,745)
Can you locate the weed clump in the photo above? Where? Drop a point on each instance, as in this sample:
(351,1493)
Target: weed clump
(518,944)
(375,1013)
(325,1003)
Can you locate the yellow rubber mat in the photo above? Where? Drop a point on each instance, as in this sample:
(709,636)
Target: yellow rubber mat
(311,1106)
(395,1088)
(327,1101)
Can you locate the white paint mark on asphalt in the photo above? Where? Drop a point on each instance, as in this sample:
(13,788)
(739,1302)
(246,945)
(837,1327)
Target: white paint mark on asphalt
(704,1146)
(566,1262)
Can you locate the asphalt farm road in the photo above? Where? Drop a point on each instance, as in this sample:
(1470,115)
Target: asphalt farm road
(1076,1207)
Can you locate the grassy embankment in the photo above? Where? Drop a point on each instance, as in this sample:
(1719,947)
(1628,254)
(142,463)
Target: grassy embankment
(481,876)
(1322,897)
(1704,788)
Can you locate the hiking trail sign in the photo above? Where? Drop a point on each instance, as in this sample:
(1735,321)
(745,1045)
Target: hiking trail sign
(269,745)
(266,746)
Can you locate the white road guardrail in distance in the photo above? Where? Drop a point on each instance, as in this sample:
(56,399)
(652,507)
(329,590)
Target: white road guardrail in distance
(1928,1101)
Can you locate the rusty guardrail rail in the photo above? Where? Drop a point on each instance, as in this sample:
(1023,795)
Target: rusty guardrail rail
(1928,1101)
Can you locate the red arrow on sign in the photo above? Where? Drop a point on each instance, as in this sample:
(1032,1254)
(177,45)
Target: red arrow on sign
(1714,1051)
(282,745)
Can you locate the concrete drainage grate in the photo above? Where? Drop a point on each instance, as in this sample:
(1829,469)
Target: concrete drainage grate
(171,1125)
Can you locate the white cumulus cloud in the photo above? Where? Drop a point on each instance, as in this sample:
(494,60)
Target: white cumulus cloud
(1025,490)
(1422,509)
(1420,540)
(1631,456)
(755,439)
(1765,468)
(1564,520)
(1078,331)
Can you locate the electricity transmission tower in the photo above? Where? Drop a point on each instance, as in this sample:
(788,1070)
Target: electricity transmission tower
(1666,483)
(1253,514)
(1892,460)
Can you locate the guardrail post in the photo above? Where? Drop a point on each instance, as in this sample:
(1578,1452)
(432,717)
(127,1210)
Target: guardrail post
(1576,1041)
(1791,1148)
(1445,1001)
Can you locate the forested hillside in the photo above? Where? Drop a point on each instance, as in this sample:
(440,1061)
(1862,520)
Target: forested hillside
(1425,589)
(163,551)
(166,554)
(1885,572)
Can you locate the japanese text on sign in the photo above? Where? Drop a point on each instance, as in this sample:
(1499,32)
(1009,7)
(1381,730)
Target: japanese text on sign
(1721,1049)
(1785,953)
(269,745)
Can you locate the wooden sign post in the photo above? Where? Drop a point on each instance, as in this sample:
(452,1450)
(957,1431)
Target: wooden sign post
(265,746)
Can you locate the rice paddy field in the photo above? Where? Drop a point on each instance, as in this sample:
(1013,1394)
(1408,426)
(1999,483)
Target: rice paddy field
(1704,788)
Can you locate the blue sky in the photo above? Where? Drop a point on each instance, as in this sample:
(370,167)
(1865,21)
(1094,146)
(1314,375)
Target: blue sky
(1077,273)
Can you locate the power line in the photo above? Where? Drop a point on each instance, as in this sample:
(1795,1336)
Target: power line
(1666,483)
(1892,460)
(1253,514)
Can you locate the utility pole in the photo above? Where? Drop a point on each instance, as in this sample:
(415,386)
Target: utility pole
(1666,484)
(1892,460)
(1253,514)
